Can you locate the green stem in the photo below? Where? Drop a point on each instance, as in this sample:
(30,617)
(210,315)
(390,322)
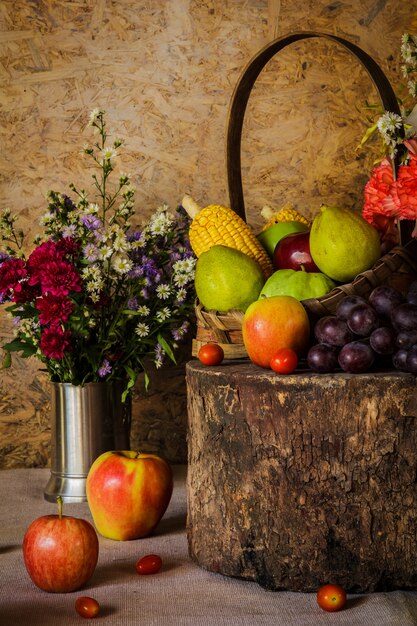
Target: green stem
(59,501)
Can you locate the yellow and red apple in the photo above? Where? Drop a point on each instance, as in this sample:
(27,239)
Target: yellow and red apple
(60,552)
(273,323)
(128,493)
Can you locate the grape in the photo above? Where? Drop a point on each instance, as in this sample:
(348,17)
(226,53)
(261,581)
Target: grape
(356,357)
(411,360)
(399,359)
(332,330)
(412,297)
(412,293)
(322,358)
(384,299)
(344,307)
(362,320)
(404,317)
(382,340)
(406,339)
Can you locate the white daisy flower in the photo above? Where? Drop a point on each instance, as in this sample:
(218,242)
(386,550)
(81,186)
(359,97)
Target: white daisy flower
(108,154)
(163,314)
(163,291)
(142,329)
(121,264)
(105,251)
(143,310)
(94,115)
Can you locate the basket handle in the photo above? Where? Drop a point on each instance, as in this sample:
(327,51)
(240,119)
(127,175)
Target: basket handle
(243,89)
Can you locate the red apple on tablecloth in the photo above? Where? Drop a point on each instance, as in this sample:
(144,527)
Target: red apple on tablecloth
(60,552)
(292,252)
(128,493)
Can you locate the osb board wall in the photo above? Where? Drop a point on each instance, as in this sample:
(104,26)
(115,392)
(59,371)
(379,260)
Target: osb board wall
(165,72)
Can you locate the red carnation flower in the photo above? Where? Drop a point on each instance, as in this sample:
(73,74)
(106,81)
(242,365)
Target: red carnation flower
(45,253)
(53,309)
(12,272)
(59,278)
(54,342)
(25,292)
(68,246)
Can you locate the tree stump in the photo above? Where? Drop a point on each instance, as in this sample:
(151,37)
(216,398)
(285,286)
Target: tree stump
(295,481)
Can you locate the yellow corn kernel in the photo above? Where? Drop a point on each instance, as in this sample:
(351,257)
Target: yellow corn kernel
(219,225)
(286,214)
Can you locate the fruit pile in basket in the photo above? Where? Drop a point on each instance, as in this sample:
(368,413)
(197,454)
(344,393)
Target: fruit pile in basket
(270,277)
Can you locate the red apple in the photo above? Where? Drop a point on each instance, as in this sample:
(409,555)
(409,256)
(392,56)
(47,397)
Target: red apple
(128,493)
(292,252)
(273,323)
(60,552)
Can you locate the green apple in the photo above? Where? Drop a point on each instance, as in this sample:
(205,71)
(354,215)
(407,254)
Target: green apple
(270,236)
(298,284)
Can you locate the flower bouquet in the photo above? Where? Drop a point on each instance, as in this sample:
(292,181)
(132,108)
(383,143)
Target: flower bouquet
(97,296)
(390,194)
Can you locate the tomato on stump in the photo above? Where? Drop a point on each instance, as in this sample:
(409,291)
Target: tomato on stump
(211,354)
(284,361)
(331,598)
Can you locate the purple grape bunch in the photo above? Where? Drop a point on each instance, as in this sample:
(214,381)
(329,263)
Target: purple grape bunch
(381,331)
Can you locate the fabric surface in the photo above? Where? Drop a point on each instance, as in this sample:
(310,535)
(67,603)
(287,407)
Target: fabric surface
(181,594)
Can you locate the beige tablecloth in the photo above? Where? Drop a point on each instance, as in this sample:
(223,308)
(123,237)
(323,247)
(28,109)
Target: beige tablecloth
(182,594)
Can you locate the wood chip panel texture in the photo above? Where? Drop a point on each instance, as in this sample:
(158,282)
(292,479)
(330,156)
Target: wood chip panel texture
(165,72)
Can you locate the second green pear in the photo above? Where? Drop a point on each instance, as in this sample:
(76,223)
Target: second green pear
(342,243)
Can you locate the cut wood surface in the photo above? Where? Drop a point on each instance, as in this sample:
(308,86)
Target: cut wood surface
(299,480)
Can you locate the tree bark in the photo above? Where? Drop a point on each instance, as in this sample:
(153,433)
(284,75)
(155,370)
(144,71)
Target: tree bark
(295,481)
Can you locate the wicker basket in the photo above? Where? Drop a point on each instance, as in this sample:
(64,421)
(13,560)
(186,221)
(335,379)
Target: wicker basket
(397,268)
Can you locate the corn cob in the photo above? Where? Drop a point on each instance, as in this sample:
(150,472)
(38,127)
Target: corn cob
(286,214)
(218,225)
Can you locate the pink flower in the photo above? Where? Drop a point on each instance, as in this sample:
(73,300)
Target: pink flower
(393,198)
(377,189)
(404,192)
(54,341)
(12,271)
(53,309)
(59,278)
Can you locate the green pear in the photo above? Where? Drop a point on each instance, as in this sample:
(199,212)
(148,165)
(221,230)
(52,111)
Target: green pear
(342,243)
(227,279)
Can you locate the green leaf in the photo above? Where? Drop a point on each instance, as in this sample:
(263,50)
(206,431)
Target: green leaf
(166,347)
(370,131)
(19,346)
(7,361)
(130,383)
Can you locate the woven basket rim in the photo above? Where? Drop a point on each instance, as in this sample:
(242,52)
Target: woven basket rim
(364,282)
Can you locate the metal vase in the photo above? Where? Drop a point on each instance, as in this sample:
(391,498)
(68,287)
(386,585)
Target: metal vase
(85,422)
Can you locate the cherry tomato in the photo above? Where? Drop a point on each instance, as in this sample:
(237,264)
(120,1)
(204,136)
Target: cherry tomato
(149,564)
(331,598)
(211,354)
(87,607)
(284,361)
